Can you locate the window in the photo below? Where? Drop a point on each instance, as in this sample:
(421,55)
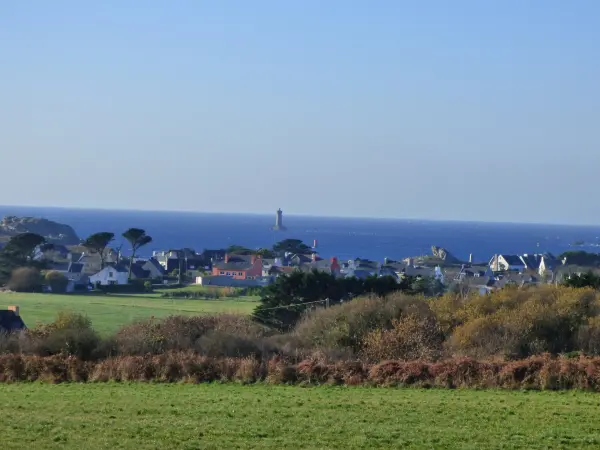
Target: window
(221,273)
(240,273)
(228,274)
(111,274)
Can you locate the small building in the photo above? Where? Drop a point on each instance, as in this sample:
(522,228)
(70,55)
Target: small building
(152,267)
(10,320)
(111,274)
(239,267)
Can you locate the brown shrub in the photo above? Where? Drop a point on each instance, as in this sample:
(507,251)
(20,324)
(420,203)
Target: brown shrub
(218,335)
(411,337)
(25,279)
(344,327)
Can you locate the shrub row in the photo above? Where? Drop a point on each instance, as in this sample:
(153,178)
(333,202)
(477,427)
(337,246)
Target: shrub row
(540,373)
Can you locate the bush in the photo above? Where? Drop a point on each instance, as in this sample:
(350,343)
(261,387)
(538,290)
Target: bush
(411,337)
(57,282)
(213,335)
(70,334)
(25,279)
(345,326)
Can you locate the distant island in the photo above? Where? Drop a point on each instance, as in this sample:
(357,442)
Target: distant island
(53,232)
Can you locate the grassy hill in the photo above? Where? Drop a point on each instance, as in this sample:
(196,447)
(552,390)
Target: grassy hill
(109,312)
(148,416)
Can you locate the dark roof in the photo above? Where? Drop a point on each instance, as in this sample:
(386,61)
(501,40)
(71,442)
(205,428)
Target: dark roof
(9,321)
(138,272)
(531,261)
(513,260)
(213,254)
(75,267)
(60,266)
(156,264)
(235,262)
(119,267)
(76,256)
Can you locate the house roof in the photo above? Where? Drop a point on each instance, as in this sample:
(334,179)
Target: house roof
(213,254)
(60,266)
(531,261)
(512,260)
(156,264)
(75,268)
(9,321)
(235,262)
(121,268)
(139,272)
(77,256)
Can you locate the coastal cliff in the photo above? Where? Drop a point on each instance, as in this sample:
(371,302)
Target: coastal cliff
(54,232)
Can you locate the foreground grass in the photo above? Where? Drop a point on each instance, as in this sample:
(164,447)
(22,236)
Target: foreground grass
(109,312)
(150,416)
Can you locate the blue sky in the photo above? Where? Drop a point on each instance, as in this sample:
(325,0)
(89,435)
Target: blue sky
(474,110)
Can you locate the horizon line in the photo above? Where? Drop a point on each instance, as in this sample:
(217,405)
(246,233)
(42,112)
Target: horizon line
(406,219)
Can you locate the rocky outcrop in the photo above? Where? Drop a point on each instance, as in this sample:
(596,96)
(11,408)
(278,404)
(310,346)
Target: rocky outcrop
(444,255)
(54,232)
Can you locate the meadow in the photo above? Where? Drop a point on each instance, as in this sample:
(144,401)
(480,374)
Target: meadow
(109,312)
(214,416)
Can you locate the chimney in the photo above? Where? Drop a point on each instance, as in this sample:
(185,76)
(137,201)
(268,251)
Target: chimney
(253,259)
(385,261)
(226,258)
(314,257)
(470,258)
(14,309)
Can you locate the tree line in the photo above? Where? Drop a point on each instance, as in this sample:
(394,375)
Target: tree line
(284,301)
(20,269)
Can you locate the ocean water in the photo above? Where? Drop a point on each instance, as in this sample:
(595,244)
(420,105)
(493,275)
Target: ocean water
(341,237)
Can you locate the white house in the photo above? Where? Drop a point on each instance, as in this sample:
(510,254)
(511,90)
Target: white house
(111,274)
(507,262)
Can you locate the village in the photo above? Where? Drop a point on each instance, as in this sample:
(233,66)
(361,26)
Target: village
(246,269)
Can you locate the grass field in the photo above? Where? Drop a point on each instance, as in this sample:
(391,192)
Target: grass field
(151,416)
(109,312)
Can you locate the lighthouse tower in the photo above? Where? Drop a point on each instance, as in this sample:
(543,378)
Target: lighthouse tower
(279,220)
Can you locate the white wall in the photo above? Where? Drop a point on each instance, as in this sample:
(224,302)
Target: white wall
(109,275)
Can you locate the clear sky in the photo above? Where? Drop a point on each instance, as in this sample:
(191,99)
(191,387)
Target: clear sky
(474,110)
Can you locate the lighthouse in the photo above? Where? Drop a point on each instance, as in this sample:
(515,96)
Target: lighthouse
(279,220)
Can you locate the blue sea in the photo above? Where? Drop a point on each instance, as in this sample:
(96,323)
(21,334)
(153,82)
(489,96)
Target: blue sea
(341,237)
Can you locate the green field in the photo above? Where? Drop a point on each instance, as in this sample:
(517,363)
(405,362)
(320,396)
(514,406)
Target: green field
(109,312)
(152,416)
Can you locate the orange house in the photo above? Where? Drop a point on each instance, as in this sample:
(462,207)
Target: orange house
(239,267)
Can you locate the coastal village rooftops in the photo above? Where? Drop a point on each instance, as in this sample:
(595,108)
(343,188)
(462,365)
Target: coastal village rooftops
(513,260)
(236,262)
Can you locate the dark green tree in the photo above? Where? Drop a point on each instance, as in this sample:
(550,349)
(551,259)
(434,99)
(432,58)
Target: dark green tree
(239,250)
(584,280)
(291,246)
(284,301)
(22,247)
(97,243)
(137,238)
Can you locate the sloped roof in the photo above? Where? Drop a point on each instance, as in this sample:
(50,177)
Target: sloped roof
(60,266)
(75,268)
(9,321)
(156,264)
(513,260)
(139,272)
(235,262)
